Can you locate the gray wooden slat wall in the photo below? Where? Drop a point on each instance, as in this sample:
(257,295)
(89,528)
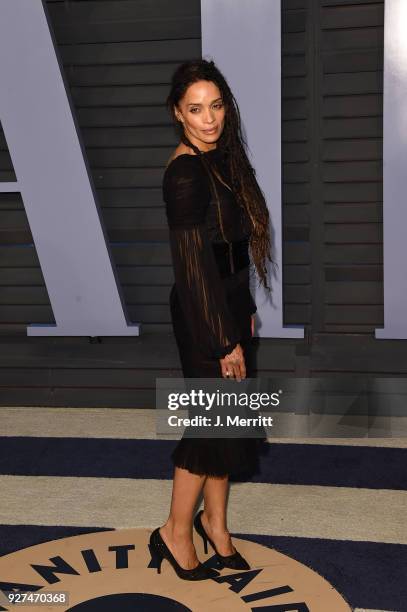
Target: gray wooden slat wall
(118,56)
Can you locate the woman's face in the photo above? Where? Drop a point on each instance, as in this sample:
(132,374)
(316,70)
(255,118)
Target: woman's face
(202,113)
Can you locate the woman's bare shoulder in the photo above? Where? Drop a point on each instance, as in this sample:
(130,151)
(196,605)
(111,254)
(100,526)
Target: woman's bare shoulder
(180,150)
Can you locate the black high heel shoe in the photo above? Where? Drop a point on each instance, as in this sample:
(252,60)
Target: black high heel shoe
(233,561)
(159,551)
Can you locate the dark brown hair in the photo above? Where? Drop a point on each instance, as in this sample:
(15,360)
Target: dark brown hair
(232,146)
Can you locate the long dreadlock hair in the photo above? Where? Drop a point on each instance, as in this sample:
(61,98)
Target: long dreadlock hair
(232,148)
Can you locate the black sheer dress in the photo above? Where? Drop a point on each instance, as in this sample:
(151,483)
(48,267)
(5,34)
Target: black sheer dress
(210,301)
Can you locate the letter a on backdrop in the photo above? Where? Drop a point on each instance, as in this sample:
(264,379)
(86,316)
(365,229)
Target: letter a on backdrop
(54,180)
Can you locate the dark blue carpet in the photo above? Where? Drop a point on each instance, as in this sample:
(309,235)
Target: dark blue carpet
(302,464)
(367,574)
(17,537)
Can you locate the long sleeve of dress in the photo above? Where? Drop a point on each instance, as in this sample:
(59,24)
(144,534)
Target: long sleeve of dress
(198,283)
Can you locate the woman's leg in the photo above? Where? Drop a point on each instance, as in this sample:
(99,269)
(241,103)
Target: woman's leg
(177,531)
(214,515)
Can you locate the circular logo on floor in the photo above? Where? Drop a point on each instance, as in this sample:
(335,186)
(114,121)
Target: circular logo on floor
(113,570)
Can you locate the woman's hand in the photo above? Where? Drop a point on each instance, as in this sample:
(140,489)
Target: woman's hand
(233,364)
(252,324)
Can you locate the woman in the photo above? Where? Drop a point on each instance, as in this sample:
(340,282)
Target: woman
(215,211)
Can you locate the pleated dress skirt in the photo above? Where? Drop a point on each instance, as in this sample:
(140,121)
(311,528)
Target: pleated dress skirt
(215,456)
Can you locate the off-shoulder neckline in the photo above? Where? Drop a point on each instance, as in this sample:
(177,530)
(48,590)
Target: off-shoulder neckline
(190,155)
